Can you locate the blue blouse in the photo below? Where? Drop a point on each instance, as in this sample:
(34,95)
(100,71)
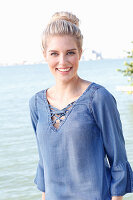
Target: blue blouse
(85,158)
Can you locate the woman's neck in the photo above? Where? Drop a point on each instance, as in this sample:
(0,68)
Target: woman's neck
(67,89)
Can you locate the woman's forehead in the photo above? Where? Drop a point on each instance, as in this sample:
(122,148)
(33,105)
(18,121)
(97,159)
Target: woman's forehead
(61,42)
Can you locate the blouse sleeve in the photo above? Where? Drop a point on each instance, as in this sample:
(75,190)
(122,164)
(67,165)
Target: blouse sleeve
(39,179)
(107,117)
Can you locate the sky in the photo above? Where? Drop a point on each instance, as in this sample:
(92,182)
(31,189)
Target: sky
(105,24)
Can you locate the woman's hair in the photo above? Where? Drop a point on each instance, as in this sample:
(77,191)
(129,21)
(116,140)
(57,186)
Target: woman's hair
(63,23)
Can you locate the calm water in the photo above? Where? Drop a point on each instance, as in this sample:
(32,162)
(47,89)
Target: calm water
(18,152)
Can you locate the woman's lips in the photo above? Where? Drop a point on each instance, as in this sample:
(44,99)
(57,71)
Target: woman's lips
(64,70)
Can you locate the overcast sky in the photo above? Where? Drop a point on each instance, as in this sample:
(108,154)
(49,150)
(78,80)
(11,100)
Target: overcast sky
(105,24)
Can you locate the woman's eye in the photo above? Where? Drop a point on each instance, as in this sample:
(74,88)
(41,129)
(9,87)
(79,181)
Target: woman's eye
(53,54)
(68,53)
(71,53)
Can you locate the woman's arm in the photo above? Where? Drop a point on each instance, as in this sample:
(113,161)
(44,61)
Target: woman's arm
(105,112)
(43,196)
(117,198)
(39,178)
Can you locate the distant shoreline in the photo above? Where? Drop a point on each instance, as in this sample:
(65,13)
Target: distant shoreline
(43,62)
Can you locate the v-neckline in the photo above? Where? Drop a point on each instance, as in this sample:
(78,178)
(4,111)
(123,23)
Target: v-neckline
(69,110)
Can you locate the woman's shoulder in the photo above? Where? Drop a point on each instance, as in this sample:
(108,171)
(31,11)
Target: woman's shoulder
(36,96)
(100,89)
(101,93)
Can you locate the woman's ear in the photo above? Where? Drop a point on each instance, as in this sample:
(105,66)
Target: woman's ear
(44,55)
(80,53)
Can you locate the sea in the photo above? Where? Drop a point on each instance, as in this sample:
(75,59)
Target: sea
(18,149)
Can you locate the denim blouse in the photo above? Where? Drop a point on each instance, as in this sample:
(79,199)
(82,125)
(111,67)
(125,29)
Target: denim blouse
(85,158)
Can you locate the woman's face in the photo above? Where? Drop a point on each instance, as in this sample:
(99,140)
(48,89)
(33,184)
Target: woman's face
(62,56)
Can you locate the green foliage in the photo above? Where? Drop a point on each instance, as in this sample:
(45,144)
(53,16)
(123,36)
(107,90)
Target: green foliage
(129,70)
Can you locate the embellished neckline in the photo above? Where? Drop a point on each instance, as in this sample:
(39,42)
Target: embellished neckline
(57,116)
(74,102)
(64,110)
(57,109)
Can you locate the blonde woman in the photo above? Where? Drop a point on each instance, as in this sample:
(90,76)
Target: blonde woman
(77,125)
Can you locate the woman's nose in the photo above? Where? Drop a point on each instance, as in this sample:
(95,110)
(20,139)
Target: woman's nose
(62,59)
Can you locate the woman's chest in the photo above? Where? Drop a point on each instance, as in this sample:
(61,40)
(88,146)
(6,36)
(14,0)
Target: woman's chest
(77,123)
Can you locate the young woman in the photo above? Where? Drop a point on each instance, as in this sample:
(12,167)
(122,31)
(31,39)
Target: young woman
(77,125)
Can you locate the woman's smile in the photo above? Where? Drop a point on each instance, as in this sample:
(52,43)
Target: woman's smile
(64,70)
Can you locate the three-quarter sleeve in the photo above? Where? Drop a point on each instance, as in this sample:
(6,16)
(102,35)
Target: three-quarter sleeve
(39,179)
(107,117)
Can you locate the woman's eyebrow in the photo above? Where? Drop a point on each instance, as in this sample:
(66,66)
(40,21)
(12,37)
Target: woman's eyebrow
(71,49)
(52,50)
(67,50)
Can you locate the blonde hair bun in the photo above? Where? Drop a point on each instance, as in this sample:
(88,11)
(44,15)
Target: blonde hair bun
(65,16)
(63,23)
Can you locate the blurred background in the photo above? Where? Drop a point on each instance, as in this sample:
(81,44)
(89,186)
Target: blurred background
(108,33)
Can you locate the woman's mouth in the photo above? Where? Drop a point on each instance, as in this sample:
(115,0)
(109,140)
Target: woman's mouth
(64,69)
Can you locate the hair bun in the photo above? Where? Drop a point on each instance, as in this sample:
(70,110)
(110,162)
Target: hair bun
(65,16)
